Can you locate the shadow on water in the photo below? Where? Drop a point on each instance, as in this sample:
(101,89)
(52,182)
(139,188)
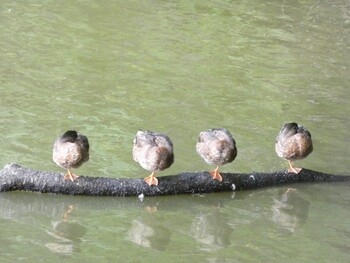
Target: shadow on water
(289,210)
(204,222)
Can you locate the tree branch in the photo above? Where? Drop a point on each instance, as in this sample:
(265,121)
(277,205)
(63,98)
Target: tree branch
(14,177)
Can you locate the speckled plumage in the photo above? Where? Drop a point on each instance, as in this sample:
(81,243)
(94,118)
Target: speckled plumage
(154,152)
(293,143)
(216,147)
(71,150)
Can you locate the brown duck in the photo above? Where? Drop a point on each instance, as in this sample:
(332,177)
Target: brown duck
(154,152)
(293,143)
(71,150)
(216,147)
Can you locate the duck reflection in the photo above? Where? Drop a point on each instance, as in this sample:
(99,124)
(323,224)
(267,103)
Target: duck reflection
(211,230)
(289,210)
(67,235)
(149,234)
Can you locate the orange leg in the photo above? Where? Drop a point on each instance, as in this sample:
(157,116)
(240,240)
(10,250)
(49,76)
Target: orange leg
(293,169)
(70,209)
(151,180)
(215,174)
(70,176)
(290,190)
(151,209)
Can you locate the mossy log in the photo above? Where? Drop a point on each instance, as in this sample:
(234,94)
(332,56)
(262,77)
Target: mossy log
(14,177)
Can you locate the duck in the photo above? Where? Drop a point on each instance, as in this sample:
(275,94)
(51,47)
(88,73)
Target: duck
(71,150)
(217,147)
(293,143)
(154,152)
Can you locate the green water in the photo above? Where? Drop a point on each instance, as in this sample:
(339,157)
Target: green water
(108,68)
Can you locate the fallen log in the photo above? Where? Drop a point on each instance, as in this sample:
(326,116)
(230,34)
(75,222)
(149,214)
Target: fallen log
(14,177)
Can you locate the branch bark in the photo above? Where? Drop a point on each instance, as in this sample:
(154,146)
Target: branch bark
(14,177)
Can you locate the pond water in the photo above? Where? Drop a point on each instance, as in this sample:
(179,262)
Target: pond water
(110,68)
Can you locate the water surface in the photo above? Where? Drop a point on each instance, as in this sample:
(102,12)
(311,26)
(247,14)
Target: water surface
(108,69)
